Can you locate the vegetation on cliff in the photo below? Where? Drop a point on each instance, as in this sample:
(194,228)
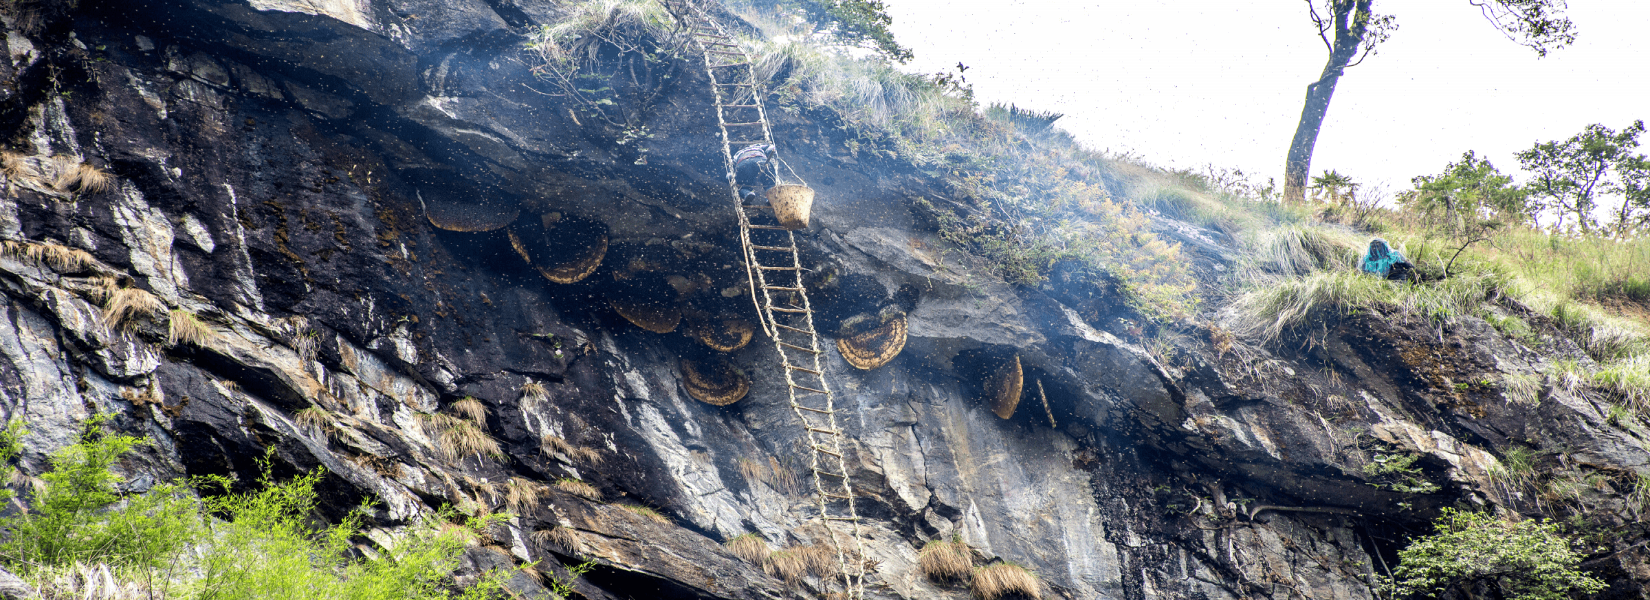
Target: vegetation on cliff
(84,536)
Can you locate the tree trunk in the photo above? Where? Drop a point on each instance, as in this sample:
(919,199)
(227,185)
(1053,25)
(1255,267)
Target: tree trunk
(1350,25)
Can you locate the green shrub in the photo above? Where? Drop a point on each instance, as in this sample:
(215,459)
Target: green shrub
(1524,560)
(260,544)
(266,549)
(73,517)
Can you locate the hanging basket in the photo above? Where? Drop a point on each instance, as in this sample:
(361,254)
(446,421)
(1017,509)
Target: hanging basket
(791,205)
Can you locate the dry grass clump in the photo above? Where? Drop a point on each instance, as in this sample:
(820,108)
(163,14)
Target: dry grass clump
(1006,580)
(1295,250)
(552,444)
(1522,388)
(771,472)
(472,409)
(315,420)
(521,494)
(457,438)
(791,564)
(123,304)
(59,257)
(565,538)
(748,547)
(184,327)
(645,512)
(942,560)
(78,581)
(578,488)
(71,173)
(534,391)
(787,565)
(16,165)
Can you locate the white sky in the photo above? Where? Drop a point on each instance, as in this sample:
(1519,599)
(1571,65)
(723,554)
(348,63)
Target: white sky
(1186,83)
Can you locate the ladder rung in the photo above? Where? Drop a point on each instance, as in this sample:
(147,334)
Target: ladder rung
(736,84)
(744,124)
(720,44)
(829,518)
(823,412)
(809,389)
(787,310)
(818,448)
(724,53)
(796,330)
(837,496)
(741,106)
(777,268)
(767,206)
(781,288)
(825,431)
(796,368)
(800,349)
(830,474)
(731,64)
(774,227)
(777,249)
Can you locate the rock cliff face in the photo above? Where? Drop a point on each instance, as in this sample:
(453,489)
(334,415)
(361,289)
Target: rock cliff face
(275,169)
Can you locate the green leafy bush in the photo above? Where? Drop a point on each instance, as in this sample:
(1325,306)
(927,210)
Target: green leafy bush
(74,516)
(169,543)
(1524,560)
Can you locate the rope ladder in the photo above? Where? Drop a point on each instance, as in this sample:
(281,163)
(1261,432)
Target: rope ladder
(774,271)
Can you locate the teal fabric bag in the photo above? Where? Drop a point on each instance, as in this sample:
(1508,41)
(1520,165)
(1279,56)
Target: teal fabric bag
(1380,258)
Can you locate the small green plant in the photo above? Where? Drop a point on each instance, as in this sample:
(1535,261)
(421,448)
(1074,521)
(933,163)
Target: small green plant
(1523,560)
(565,588)
(11,447)
(1400,472)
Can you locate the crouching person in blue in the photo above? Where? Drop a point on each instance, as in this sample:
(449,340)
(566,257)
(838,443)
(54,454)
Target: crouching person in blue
(752,167)
(1386,262)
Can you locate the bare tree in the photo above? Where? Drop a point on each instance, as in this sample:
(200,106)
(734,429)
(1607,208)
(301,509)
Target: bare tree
(1351,31)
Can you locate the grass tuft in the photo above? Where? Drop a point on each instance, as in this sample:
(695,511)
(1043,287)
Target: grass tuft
(1523,389)
(457,438)
(748,547)
(1627,381)
(578,488)
(82,177)
(184,327)
(553,444)
(942,560)
(124,305)
(1005,580)
(645,512)
(59,257)
(315,420)
(472,409)
(1275,306)
(521,494)
(565,538)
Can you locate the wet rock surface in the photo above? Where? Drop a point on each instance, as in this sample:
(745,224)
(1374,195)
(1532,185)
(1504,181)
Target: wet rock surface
(268,160)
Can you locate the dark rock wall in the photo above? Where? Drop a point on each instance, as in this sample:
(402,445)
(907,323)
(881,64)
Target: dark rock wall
(271,166)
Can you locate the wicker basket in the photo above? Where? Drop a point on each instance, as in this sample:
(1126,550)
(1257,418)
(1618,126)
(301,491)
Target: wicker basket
(791,205)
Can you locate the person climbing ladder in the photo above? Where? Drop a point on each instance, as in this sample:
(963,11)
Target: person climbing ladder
(753,166)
